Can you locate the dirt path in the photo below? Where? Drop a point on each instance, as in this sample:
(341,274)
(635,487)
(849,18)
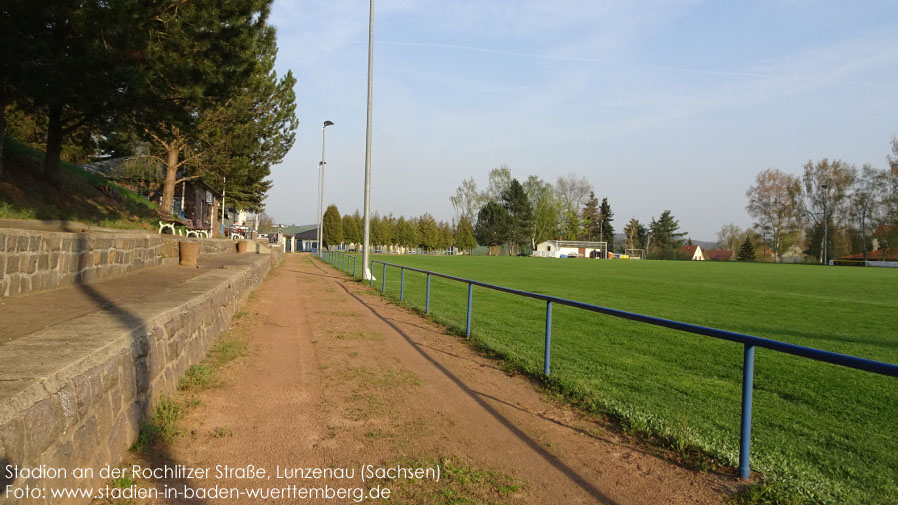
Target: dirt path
(336,378)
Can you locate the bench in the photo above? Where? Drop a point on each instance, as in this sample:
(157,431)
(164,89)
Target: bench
(168,222)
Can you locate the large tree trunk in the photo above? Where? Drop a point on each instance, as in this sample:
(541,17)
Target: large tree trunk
(3,104)
(54,140)
(171,175)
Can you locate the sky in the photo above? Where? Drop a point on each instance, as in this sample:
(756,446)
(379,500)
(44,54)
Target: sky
(661,104)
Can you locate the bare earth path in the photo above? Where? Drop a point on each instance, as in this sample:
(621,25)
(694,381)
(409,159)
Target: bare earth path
(336,378)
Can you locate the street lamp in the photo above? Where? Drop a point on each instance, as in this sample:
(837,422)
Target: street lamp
(321,188)
(825,225)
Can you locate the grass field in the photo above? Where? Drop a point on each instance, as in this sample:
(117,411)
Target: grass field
(821,432)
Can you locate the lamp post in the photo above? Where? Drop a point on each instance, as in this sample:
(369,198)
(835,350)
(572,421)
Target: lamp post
(825,225)
(366,234)
(321,188)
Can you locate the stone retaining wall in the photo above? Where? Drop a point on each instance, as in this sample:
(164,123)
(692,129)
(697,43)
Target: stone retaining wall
(33,260)
(73,395)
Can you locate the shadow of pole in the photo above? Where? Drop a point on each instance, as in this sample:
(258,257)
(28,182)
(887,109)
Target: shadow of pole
(552,459)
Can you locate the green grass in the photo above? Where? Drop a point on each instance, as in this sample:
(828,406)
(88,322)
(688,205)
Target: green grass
(75,194)
(821,433)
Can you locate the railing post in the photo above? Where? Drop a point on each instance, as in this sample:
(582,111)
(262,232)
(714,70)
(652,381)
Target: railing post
(401,283)
(383,280)
(427,296)
(548,337)
(748,375)
(470,299)
(353,267)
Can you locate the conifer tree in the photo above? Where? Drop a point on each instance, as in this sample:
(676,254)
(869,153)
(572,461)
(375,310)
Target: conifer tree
(747,251)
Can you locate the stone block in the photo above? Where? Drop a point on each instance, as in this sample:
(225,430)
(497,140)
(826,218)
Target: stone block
(22,243)
(12,436)
(67,406)
(111,374)
(86,438)
(34,243)
(43,427)
(12,263)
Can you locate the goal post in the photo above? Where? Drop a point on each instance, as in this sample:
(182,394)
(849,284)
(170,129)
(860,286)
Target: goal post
(636,254)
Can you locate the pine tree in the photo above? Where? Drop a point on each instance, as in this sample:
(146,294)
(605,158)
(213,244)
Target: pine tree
(592,218)
(225,40)
(520,214)
(747,251)
(74,63)
(492,225)
(606,229)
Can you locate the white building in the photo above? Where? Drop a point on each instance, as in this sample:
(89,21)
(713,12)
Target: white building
(571,248)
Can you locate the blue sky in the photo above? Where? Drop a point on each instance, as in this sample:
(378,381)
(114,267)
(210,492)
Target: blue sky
(661,104)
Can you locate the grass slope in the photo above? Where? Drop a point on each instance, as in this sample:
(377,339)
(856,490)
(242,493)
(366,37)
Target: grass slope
(74,195)
(822,432)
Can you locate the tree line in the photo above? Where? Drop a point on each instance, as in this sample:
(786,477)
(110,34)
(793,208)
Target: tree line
(832,207)
(392,233)
(522,215)
(184,89)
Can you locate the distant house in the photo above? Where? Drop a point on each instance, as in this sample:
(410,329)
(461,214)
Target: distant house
(719,254)
(693,252)
(571,248)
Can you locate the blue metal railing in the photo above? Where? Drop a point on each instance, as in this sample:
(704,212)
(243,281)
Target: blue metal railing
(749,341)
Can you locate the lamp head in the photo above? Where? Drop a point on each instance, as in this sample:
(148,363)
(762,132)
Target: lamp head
(326,124)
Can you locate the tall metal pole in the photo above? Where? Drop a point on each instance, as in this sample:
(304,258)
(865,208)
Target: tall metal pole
(318,213)
(366,273)
(321,189)
(825,225)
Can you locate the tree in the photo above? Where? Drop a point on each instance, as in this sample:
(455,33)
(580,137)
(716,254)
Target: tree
(826,186)
(428,233)
(492,225)
(464,235)
(266,223)
(351,232)
(866,201)
(592,218)
(546,210)
(467,200)
(573,190)
(499,180)
(606,230)
(251,132)
(446,237)
(664,236)
(179,91)
(893,158)
(747,251)
(774,201)
(333,227)
(49,48)
(636,235)
(728,237)
(520,215)
(407,233)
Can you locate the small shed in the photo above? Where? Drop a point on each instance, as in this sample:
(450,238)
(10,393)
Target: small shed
(571,249)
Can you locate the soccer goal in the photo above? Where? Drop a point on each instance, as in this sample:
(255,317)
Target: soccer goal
(635,254)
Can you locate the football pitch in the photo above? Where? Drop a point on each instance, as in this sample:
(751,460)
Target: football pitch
(821,432)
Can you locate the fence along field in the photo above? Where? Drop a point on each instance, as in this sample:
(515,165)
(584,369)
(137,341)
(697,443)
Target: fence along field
(823,431)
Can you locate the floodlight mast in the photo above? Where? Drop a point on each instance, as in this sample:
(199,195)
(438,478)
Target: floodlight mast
(321,188)
(366,234)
